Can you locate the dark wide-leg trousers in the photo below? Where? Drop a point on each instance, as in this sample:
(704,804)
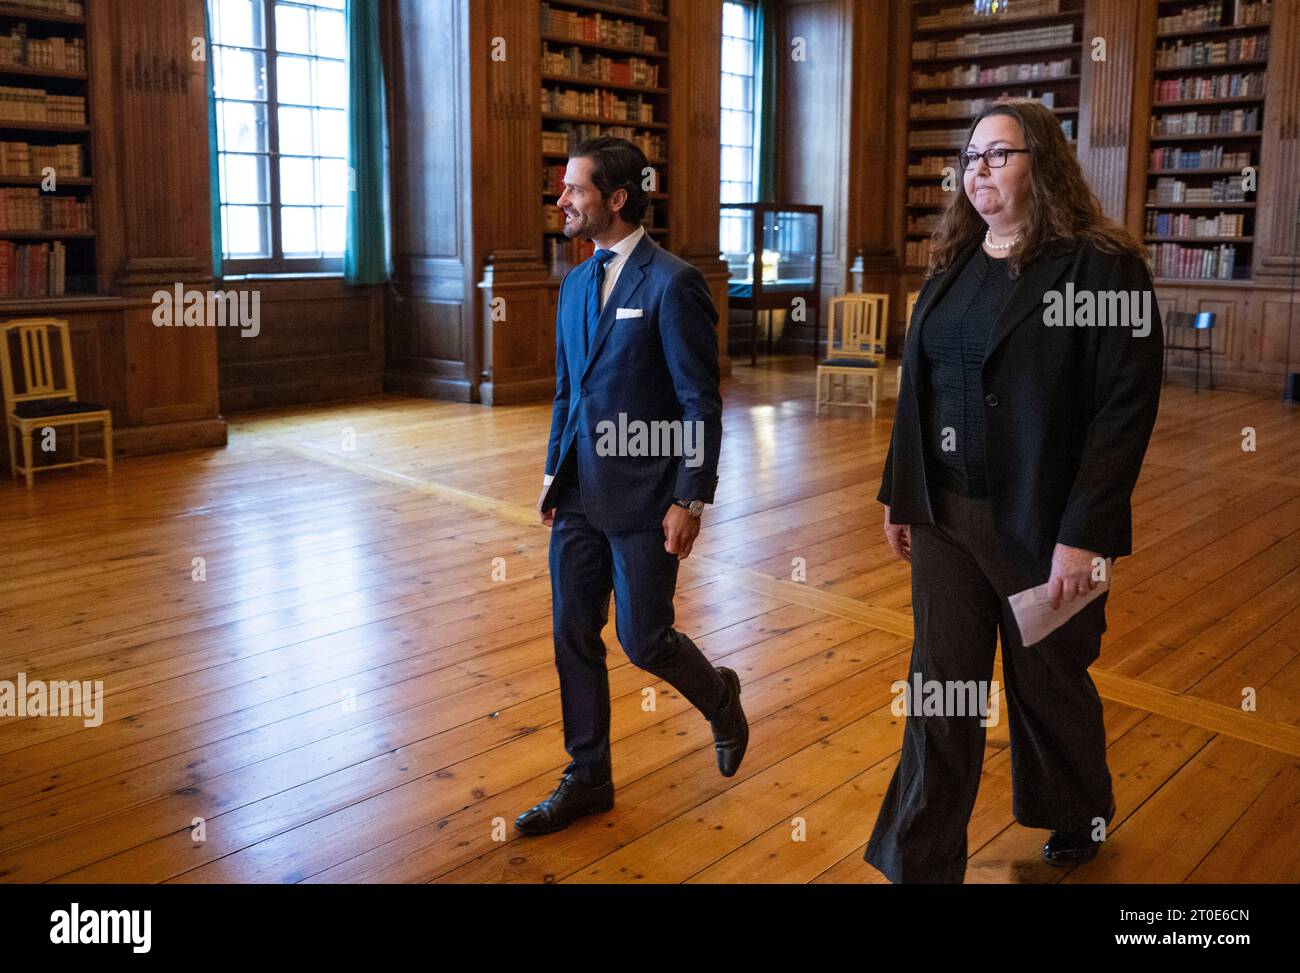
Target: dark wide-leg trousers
(963,571)
(586,566)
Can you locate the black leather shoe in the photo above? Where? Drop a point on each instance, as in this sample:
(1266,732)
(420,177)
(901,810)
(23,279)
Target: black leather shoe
(1066,848)
(730,728)
(572,799)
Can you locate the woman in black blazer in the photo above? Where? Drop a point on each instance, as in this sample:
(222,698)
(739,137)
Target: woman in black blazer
(1031,381)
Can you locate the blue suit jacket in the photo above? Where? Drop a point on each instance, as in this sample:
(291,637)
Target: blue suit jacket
(656,368)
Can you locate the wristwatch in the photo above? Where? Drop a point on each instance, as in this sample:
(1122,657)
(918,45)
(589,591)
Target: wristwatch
(694,507)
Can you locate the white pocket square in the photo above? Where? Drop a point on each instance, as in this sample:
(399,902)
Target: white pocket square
(629,312)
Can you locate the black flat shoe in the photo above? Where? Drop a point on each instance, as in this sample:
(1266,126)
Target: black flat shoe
(730,728)
(572,799)
(1065,848)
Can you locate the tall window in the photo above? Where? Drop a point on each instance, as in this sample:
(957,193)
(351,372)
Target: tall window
(280,70)
(738,119)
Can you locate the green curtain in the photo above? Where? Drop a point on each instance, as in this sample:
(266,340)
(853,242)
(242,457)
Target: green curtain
(214,154)
(366,259)
(765,28)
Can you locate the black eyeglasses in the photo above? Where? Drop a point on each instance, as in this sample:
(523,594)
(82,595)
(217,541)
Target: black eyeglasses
(993,158)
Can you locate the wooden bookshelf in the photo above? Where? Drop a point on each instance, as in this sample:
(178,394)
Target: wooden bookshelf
(960,63)
(47,226)
(1207,121)
(605,71)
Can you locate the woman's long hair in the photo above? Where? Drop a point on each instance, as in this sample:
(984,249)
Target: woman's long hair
(1061,204)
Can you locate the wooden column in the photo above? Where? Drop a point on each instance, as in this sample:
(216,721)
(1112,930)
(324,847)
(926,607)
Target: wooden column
(695,164)
(149,101)
(1277,249)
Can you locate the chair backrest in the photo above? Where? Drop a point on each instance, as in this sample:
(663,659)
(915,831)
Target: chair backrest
(855,327)
(912,298)
(37,373)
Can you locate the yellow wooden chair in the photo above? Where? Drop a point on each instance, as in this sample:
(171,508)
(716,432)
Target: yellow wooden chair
(35,397)
(855,346)
(912,297)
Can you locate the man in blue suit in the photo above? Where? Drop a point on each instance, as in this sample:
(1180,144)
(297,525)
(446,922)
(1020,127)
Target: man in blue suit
(632,460)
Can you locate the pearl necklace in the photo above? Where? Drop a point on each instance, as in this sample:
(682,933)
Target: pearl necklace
(1000,247)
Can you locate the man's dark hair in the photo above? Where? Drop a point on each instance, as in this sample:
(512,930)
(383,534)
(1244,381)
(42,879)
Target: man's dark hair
(618,164)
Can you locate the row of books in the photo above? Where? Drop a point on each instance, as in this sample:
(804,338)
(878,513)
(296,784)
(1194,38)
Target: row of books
(29,209)
(1197,53)
(1187,225)
(970,107)
(1207,123)
(596,28)
(57,53)
(655,7)
(1215,157)
(1242,13)
(931,165)
(604,104)
(566,136)
(38,105)
(954,138)
(1169,191)
(1206,87)
(1194,263)
(1056,35)
(563,254)
(917,252)
(32,269)
(923,224)
(60,8)
(970,74)
(960,16)
(931,195)
(571,63)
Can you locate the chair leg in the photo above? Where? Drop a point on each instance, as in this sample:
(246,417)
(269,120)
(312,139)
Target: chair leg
(27,456)
(108,447)
(1197,390)
(1210,351)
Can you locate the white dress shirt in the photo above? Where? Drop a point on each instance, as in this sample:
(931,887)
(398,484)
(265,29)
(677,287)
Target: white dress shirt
(622,250)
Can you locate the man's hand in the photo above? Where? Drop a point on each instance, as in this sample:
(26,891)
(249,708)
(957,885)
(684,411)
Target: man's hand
(899,537)
(1071,574)
(680,531)
(547,517)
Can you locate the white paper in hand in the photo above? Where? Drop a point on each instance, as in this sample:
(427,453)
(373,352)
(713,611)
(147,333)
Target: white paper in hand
(1034,614)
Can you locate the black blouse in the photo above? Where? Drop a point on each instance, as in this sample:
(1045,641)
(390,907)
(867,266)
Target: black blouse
(953,343)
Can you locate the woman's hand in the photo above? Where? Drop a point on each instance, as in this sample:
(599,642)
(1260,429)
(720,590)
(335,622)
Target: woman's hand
(899,537)
(1071,574)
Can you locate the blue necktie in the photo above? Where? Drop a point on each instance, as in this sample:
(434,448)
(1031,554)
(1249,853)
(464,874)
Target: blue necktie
(594,287)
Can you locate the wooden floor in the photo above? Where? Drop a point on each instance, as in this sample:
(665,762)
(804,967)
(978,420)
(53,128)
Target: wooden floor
(356,694)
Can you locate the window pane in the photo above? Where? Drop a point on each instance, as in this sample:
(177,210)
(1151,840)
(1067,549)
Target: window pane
(243,126)
(246,231)
(737,20)
(737,164)
(333,128)
(298,181)
(298,224)
(334,182)
(297,131)
(239,74)
(737,56)
(334,230)
(737,92)
(238,22)
(331,34)
(737,128)
(247,178)
(332,84)
(293,80)
(292,28)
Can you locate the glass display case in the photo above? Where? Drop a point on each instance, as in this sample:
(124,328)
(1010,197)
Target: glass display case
(782,240)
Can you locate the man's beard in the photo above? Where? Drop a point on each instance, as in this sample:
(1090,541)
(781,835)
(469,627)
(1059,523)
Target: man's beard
(589,228)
